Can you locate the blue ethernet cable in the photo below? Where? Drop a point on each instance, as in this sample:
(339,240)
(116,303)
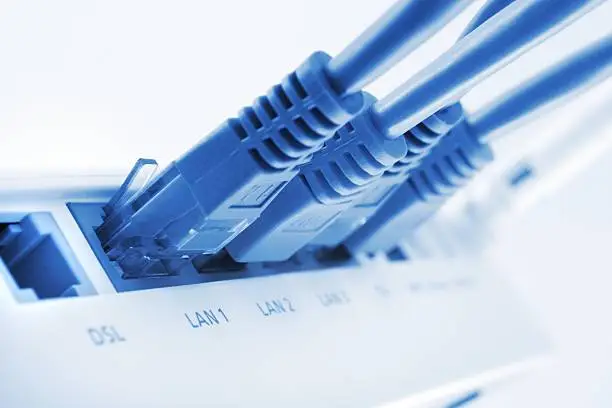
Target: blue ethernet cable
(329,184)
(213,192)
(339,175)
(429,186)
(554,87)
(437,126)
(449,166)
(517,27)
(355,216)
(488,10)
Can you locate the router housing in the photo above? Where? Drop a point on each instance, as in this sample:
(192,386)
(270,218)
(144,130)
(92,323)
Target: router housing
(357,332)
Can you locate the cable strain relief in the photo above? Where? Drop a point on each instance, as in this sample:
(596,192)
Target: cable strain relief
(356,156)
(296,116)
(421,138)
(451,165)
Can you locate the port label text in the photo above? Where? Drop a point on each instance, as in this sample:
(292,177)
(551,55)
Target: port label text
(206,318)
(276,307)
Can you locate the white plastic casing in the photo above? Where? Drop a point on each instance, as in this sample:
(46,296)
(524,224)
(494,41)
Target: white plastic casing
(399,333)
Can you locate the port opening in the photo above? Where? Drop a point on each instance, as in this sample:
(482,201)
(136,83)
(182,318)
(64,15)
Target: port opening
(397,254)
(36,260)
(204,268)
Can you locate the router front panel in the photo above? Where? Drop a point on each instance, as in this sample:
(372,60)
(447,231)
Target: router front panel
(368,332)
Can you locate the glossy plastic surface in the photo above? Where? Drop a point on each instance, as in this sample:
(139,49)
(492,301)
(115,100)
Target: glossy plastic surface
(207,197)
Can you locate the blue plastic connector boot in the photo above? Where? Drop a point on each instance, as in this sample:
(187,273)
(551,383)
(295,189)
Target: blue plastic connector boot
(417,138)
(419,141)
(550,88)
(337,175)
(448,167)
(555,86)
(211,194)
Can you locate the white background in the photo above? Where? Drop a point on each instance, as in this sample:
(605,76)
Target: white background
(89,86)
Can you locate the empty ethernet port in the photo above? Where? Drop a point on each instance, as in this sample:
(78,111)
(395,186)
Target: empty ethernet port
(35,259)
(397,254)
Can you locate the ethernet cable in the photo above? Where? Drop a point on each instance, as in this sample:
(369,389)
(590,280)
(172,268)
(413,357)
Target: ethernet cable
(356,215)
(329,185)
(488,10)
(544,167)
(430,185)
(514,184)
(213,192)
(386,133)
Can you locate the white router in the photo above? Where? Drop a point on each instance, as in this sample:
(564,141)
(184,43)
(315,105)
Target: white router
(366,332)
